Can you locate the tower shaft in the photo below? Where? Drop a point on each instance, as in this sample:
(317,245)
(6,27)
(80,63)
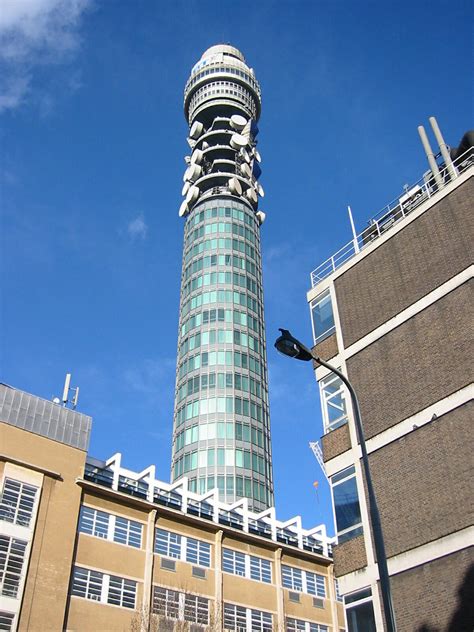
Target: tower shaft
(221,434)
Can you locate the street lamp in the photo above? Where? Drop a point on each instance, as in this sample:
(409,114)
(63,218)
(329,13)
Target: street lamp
(292,347)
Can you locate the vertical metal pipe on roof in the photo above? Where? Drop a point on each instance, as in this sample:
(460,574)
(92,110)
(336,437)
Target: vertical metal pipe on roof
(430,155)
(443,147)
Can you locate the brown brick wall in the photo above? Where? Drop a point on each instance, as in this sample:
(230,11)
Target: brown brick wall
(423,481)
(349,556)
(422,256)
(418,363)
(336,442)
(437,595)
(327,348)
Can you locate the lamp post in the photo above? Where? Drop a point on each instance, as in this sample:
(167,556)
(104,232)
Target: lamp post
(292,347)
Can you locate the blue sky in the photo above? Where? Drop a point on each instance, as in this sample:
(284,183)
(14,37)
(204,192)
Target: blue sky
(92,145)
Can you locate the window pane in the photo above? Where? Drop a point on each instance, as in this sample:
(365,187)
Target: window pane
(346,502)
(323,319)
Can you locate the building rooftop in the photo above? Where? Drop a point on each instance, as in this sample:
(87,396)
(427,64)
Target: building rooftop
(176,496)
(412,197)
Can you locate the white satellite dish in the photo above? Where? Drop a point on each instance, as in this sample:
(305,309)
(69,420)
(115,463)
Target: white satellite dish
(185,188)
(196,130)
(251,195)
(196,157)
(187,174)
(238,122)
(183,209)
(245,154)
(235,186)
(261,217)
(237,141)
(257,155)
(205,145)
(194,172)
(260,190)
(245,169)
(191,142)
(192,195)
(187,160)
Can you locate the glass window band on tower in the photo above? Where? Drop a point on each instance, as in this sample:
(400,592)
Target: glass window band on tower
(221,434)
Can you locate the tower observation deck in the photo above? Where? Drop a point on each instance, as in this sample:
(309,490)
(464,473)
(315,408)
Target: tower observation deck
(221,433)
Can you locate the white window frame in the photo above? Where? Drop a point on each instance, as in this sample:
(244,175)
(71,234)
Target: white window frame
(180,605)
(358,525)
(313,303)
(304,626)
(12,565)
(326,402)
(118,529)
(248,565)
(179,549)
(290,576)
(18,505)
(255,620)
(126,588)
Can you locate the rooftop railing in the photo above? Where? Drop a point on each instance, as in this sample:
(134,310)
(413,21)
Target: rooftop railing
(427,187)
(177,496)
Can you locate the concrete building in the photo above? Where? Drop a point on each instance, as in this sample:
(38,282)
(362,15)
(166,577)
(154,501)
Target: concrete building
(221,432)
(393,310)
(89,546)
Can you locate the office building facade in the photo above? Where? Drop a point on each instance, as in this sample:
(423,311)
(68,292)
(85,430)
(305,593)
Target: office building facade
(90,546)
(221,435)
(392,309)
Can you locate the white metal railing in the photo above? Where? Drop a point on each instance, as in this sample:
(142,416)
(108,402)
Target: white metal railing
(392,213)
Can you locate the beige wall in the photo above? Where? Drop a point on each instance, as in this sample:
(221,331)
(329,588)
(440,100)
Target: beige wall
(46,587)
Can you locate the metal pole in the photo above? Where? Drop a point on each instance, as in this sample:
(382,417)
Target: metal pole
(373,509)
(430,155)
(443,147)
(354,234)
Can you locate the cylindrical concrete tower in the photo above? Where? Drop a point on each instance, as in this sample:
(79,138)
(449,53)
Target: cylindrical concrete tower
(221,435)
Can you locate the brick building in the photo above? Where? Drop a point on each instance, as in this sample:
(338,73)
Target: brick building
(393,309)
(89,546)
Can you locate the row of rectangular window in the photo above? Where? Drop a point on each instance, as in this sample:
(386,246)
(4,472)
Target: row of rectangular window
(220,457)
(211,213)
(303,581)
(200,74)
(209,316)
(220,278)
(244,565)
(221,296)
(104,588)
(17,502)
(210,261)
(229,405)
(230,380)
(241,486)
(219,336)
(216,228)
(239,359)
(221,430)
(220,88)
(110,527)
(222,243)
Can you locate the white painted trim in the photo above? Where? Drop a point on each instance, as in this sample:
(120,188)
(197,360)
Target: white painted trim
(439,408)
(400,225)
(409,312)
(447,545)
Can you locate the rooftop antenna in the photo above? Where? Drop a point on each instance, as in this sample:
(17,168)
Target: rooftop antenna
(354,234)
(67,388)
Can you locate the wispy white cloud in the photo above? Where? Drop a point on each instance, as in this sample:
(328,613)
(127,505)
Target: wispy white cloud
(35,33)
(138,228)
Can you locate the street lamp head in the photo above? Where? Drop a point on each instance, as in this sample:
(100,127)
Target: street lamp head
(289,346)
